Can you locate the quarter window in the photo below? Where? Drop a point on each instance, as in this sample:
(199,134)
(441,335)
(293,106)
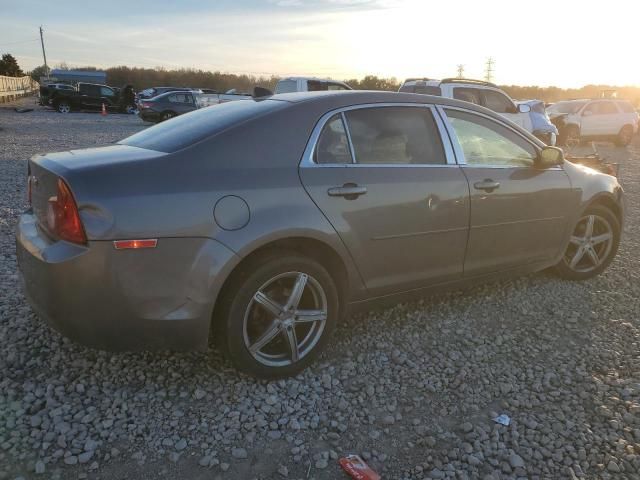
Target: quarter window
(471,95)
(485,142)
(497,102)
(395,135)
(333,144)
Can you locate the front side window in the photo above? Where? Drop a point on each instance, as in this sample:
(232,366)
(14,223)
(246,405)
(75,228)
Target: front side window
(106,92)
(471,95)
(395,135)
(607,108)
(497,102)
(333,144)
(180,98)
(485,142)
(336,86)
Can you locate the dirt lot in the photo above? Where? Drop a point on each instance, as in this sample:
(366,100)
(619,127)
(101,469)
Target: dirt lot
(412,388)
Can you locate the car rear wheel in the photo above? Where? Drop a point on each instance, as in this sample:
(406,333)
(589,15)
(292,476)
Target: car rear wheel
(277,315)
(592,246)
(625,136)
(63,106)
(167,116)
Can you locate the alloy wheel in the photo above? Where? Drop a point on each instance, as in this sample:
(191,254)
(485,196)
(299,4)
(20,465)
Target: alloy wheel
(285,319)
(590,245)
(64,108)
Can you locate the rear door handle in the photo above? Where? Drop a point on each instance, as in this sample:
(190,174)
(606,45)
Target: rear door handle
(350,191)
(487,185)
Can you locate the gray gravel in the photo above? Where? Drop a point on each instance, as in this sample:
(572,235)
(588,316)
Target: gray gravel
(413,389)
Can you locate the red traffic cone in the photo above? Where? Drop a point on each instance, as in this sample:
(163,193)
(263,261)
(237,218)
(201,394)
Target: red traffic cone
(104,110)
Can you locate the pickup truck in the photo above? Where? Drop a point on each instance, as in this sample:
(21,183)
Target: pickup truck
(171,104)
(90,96)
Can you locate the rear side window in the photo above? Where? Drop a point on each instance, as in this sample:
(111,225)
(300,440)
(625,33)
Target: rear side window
(423,89)
(316,86)
(185,130)
(395,135)
(626,107)
(333,144)
(471,95)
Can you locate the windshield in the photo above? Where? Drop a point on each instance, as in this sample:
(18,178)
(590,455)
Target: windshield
(567,107)
(185,130)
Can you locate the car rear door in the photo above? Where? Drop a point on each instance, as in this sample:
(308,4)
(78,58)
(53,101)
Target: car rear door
(519,212)
(391,189)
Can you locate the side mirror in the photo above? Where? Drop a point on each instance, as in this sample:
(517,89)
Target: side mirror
(550,157)
(587,113)
(524,108)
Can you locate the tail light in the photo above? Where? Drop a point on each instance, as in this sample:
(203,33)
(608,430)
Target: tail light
(63,219)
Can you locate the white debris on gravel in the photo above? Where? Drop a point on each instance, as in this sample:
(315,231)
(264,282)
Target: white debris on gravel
(415,387)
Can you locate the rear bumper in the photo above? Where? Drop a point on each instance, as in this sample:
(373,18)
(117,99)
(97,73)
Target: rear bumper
(149,299)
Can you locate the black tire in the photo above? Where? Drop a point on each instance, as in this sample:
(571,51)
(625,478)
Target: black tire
(624,136)
(570,136)
(237,309)
(167,116)
(564,269)
(63,106)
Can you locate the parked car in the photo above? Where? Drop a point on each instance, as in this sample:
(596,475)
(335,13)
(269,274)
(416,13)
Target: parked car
(46,91)
(541,124)
(155,91)
(90,96)
(171,104)
(482,93)
(309,84)
(600,119)
(250,219)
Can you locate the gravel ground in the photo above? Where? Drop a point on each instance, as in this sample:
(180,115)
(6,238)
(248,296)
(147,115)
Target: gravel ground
(413,388)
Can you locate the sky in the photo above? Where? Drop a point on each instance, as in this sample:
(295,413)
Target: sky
(566,43)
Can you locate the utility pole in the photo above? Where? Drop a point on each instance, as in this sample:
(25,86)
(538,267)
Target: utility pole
(460,71)
(46,67)
(488,73)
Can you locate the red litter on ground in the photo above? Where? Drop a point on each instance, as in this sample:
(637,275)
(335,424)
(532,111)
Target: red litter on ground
(357,468)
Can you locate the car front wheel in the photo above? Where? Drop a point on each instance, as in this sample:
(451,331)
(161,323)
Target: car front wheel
(277,315)
(625,136)
(592,245)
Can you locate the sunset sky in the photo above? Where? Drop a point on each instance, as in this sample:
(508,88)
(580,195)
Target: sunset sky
(563,43)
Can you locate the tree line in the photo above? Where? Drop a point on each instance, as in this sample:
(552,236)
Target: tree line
(142,78)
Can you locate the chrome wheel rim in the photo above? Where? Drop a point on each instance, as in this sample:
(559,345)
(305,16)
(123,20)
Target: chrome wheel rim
(285,319)
(590,245)
(64,108)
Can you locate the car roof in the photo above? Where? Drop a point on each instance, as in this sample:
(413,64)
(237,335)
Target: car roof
(343,98)
(312,78)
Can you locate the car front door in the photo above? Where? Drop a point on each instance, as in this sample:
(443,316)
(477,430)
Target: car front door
(392,191)
(500,103)
(519,212)
(601,118)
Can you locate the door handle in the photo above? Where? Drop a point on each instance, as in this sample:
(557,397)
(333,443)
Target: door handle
(350,191)
(487,185)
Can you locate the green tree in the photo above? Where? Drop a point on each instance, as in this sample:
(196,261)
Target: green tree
(9,66)
(38,72)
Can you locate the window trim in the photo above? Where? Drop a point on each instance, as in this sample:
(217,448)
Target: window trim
(457,148)
(308,156)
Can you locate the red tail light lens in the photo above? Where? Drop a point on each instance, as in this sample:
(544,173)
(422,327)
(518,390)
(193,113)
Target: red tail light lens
(63,218)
